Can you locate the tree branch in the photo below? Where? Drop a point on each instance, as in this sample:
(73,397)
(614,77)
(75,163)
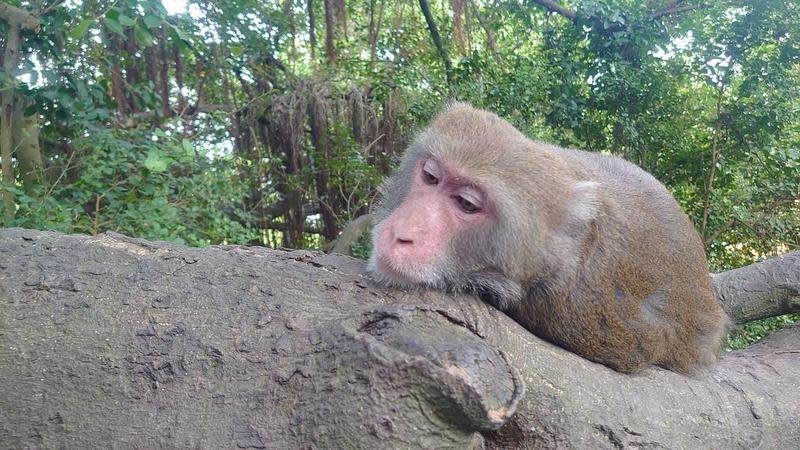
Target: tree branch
(677,8)
(556,8)
(18,16)
(351,233)
(437,40)
(110,339)
(766,289)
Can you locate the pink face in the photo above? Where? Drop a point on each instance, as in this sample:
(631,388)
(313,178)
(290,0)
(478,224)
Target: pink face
(439,205)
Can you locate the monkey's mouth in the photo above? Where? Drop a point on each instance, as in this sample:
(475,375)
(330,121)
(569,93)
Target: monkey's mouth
(388,269)
(404,275)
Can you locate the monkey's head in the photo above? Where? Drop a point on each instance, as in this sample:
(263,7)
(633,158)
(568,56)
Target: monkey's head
(470,202)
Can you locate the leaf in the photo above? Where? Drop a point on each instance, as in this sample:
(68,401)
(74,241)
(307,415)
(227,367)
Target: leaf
(180,36)
(113,26)
(125,20)
(81,29)
(113,13)
(156,161)
(31,110)
(152,21)
(143,36)
(237,50)
(83,92)
(188,147)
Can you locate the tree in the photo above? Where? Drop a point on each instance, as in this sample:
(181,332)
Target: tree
(14,131)
(113,339)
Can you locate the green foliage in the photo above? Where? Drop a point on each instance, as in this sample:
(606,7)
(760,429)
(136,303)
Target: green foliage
(754,331)
(144,184)
(362,247)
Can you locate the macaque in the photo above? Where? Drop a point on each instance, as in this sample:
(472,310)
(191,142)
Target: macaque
(585,250)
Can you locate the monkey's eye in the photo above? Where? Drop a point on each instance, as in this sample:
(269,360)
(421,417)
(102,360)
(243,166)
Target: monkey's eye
(430,172)
(429,177)
(468,203)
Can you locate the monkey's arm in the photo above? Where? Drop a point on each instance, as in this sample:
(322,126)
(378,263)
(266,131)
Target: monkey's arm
(111,339)
(352,233)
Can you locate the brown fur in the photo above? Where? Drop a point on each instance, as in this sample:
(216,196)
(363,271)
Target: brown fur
(586,250)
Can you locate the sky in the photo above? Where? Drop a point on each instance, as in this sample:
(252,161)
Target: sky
(174,6)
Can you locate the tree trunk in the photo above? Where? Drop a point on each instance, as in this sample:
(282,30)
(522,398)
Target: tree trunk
(10,60)
(712,171)
(486,24)
(767,289)
(458,28)
(113,340)
(374,30)
(29,154)
(437,41)
(178,59)
(392,142)
(16,20)
(312,31)
(286,121)
(163,75)
(118,87)
(330,50)
(327,195)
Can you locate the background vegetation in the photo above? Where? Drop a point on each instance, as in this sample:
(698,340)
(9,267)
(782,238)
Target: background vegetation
(272,122)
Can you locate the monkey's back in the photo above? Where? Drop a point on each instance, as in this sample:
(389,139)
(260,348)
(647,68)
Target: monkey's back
(643,295)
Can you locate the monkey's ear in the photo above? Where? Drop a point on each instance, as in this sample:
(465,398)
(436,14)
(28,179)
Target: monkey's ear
(585,201)
(455,104)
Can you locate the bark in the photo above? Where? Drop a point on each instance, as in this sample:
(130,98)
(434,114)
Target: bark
(552,6)
(341,15)
(151,64)
(327,195)
(285,127)
(312,31)
(117,82)
(289,15)
(178,59)
(116,340)
(675,7)
(163,75)
(767,289)
(132,75)
(230,106)
(330,50)
(374,30)
(18,17)
(152,70)
(393,141)
(458,29)
(672,8)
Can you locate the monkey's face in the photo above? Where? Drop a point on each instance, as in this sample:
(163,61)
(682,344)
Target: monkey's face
(467,209)
(411,245)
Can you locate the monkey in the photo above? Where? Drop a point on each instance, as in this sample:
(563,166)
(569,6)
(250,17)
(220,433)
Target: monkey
(585,250)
